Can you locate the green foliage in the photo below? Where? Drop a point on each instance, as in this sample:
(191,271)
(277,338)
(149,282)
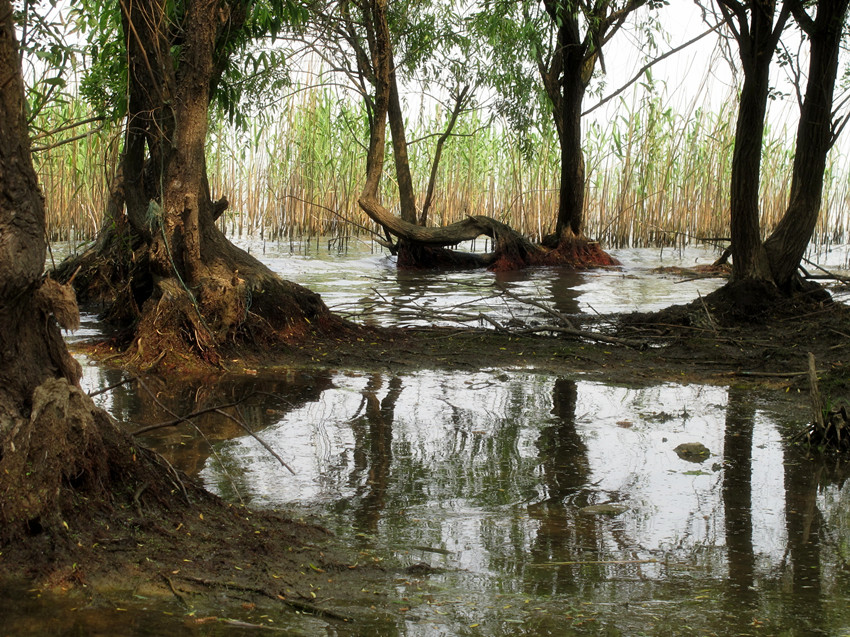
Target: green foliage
(249,71)
(47,57)
(104,83)
(512,36)
(526,39)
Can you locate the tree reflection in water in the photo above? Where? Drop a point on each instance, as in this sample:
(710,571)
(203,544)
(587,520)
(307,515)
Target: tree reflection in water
(372,427)
(738,503)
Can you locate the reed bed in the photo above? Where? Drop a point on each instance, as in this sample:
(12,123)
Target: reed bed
(73,169)
(655,176)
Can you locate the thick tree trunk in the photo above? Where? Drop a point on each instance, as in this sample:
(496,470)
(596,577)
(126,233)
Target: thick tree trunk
(49,433)
(749,260)
(31,346)
(188,289)
(571,194)
(787,244)
(758,30)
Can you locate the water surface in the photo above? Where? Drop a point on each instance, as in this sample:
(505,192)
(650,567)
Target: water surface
(496,476)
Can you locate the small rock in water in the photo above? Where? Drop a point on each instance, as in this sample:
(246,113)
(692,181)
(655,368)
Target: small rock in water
(692,451)
(610,509)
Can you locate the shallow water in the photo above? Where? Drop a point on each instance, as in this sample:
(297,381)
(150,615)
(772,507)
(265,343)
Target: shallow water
(366,285)
(488,474)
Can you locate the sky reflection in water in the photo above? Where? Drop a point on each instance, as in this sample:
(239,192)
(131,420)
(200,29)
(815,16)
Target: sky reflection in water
(488,473)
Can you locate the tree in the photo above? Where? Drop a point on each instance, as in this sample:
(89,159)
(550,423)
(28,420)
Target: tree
(566,73)
(817,132)
(757,27)
(358,38)
(51,434)
(418,245)
(563,41)
(160,261)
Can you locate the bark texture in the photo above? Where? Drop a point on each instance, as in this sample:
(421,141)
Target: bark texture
(815,137)
(51,434)
(161,264)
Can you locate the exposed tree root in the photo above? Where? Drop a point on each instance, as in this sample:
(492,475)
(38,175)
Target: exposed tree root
(237,303)
(67,456)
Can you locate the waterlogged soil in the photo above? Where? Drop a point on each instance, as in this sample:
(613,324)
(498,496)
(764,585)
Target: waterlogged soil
(682,344)
(209,567)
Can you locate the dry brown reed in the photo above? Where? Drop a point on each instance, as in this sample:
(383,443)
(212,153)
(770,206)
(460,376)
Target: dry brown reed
(654,176)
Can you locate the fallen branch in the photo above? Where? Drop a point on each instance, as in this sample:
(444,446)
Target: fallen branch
(296,604)
(830,275)
(247,429)
(181,419)
(561,317)
(591,336)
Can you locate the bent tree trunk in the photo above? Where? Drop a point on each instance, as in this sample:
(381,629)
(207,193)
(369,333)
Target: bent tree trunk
(192,291)
(422,241)
(424,246)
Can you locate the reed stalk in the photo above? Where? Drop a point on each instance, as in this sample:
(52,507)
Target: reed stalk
(655,176)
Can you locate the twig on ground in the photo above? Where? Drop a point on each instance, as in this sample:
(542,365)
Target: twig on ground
(561,317)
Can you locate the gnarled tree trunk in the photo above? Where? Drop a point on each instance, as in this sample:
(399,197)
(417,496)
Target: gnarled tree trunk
(54,443)
(422,246)
(193,291)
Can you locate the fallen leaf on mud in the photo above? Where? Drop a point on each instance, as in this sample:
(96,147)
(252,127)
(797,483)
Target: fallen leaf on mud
(204,620)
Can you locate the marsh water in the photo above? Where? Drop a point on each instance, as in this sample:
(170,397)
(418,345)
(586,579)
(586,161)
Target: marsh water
(541,504)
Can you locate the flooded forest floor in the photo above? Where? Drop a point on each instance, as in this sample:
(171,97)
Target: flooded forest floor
(215,567)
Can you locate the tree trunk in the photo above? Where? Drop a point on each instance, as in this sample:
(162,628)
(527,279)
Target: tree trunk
(407,200)
(49,429)
(31,346)
(422,246)
(749,260)
(788,242)
(571,199)
(193,291)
